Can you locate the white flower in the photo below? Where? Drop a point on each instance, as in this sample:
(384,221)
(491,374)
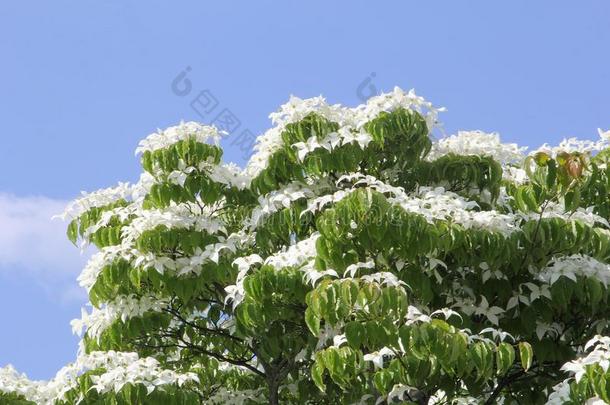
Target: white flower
(377,357)
(514,175)
(383,278)
(595,401)
(303,148)
(278,199)
(361,138)
(121,308)
(577,367)
(560,394)
(119,368)
(316,204)
(338,340)
(497,334)
(537,291)
(229,174)
(415,315)
(97,199)
(350,122)
(490,313)
(571,145)
(446,312)
(604,134)
(478,143)
(311,276)
(398,392)
(185,130)
(353,268)
(573,266)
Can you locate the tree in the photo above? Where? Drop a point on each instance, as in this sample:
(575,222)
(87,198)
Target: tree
(354,260)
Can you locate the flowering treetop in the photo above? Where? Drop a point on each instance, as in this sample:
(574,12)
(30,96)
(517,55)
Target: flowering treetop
(355,259)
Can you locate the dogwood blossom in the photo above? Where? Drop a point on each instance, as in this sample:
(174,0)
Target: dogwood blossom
(377,358)
(600,355)
(96,199)
(120,368)
(576,265)
(478,143)
(121,308)
(277,200)
(573,144)
(186,130)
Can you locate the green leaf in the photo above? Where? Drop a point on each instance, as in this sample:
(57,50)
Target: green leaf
(572,200)
(505,356)
(317,374)
(526,355)
(551,177)
(354,333)
(383,381)
(312,321)
(595,291)
(481,356)
(72,231)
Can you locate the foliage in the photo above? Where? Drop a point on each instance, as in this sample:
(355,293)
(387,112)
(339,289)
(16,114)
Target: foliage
(354,260)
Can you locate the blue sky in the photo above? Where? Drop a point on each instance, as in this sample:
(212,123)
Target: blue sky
(82,81)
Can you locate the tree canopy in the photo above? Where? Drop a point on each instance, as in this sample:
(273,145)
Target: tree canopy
(361,257)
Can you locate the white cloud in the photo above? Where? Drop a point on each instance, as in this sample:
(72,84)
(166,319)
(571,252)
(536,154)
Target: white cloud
(33,245)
